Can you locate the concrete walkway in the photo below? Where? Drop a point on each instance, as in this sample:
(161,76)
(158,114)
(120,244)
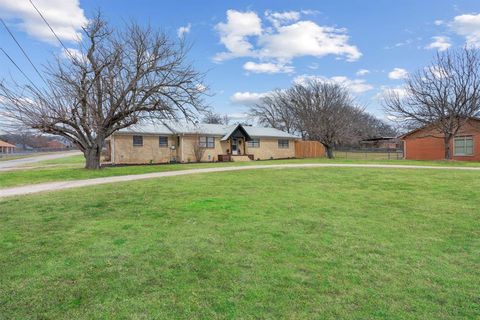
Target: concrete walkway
(18,163)
(62,185)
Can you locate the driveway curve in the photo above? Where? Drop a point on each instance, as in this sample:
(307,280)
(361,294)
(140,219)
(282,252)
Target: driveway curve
(62,185)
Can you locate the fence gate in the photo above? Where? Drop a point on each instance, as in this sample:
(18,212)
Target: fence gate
(309,149)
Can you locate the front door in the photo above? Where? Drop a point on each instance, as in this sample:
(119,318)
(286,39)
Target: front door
(234,146)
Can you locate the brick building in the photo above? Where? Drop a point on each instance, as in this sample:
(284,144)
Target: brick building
(427,143)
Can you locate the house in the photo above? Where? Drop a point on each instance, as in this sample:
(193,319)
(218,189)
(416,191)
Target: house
(427,143)
(6,147)
(188,142)
(55,144)
(380,143)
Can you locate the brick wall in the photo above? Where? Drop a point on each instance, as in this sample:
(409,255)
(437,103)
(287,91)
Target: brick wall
(269,149)
(126,153)
(427,144)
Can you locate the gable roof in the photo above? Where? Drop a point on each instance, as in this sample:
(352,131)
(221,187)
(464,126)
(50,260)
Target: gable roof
(403,136)
(177,127)
(232,130)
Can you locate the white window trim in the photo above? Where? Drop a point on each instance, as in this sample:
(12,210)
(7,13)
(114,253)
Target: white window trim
(133,140)
(253,146)
(205,145)
(283,147)
(455,154)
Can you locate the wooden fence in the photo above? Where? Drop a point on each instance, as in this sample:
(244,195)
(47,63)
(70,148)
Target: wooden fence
(309,149)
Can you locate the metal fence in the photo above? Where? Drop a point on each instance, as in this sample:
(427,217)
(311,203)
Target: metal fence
(22,153)
(368,154)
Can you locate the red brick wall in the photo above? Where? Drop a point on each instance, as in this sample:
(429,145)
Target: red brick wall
(427,144)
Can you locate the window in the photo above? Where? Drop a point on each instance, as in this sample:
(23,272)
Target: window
(283,144)
(207,142)
(254,143)
(163,141)
(137,141)
(463,146)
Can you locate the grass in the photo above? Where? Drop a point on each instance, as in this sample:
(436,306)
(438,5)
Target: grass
(330,243)
(6,157)
(71,168)
(77,160)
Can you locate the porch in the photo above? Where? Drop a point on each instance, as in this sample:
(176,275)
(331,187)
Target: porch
(236,141)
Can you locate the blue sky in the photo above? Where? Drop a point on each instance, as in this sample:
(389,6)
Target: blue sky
(252,47)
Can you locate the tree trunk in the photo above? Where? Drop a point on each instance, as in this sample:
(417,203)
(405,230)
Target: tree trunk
(92,157)
(329,150)
(448,152)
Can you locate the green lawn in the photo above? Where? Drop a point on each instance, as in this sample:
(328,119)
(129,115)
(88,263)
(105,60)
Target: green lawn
(330,243)
(71,168)
(6,157)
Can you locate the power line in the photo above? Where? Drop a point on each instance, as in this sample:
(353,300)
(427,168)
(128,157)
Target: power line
(51,29)
(19,69)
(23,51)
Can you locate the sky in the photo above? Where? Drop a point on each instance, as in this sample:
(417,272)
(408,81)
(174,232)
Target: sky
(248,48)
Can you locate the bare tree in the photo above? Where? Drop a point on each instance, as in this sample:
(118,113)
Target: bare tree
(198,147)
(325,112)
(226,119)
(442,96)
(369,126)
(116,78)
(215,118)
(275,110)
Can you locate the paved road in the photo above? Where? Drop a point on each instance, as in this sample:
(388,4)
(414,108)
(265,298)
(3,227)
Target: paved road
(61,185)
(17,163)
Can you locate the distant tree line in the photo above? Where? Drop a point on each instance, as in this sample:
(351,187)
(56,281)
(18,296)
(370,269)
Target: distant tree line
(28,139)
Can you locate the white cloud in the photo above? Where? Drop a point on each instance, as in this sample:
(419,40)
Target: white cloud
(439,43)
(238,116)
(267,67)
(280,18)
(438,22)
(182,31)
(247,98)
(72,53)
(398,73)
(310,12)
(468,26)
(354,85)
(386,90)
(243,36)
(306,38)
(65,16)
(437,71)
(201,87)
(362,72)
(234,33)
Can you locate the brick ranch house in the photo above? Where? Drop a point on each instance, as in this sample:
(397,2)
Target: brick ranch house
(426,143)
(176,142)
